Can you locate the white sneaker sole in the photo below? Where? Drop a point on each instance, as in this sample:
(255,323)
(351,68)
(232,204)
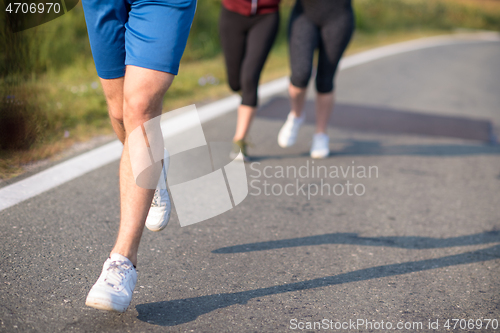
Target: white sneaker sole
(239,157)
(102,304)
(319,155)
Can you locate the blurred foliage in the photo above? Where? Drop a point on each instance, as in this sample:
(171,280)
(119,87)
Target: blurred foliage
(64,42)
(48,83)
(389,15)
(21,119)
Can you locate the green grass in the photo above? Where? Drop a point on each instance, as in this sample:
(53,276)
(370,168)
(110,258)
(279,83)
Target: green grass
(391,15)
(50,72)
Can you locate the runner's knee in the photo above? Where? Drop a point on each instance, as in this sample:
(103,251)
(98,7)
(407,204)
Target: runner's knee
(300,79)
(324,86)
(234,84)
(136,111)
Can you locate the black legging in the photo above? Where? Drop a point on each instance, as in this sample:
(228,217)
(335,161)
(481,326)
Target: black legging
(246,42)
(324,24)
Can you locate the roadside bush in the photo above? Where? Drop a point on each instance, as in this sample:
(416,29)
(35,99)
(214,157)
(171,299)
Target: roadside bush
(21,119)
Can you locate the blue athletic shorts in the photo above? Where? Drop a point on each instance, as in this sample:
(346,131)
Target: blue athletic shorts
(145,33)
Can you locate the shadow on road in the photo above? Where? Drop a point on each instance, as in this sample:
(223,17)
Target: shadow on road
(176,312)
(408,242)
(357,147)
(387,120)
(390,121)
(374,148)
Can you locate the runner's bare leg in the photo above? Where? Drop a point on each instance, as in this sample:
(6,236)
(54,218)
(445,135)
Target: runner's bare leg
(297,99)
(324,108)
(113,91)
(245,117)
(132,101)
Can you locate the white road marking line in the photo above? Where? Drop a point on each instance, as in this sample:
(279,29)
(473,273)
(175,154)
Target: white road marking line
(61,173)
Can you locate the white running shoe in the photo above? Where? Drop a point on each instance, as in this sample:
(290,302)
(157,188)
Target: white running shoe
(114,288)
(239,152)
(288,133)
(159,212)
(320,148)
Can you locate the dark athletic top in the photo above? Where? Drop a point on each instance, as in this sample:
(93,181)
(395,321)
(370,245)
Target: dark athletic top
(252,7)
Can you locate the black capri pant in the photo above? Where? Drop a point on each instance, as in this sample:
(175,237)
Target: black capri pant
(331,36)
(246,42)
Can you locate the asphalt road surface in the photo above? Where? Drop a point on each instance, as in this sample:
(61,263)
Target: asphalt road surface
(420,244)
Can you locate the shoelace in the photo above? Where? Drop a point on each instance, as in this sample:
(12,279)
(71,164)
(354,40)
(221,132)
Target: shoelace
(156,199)
(115,273)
